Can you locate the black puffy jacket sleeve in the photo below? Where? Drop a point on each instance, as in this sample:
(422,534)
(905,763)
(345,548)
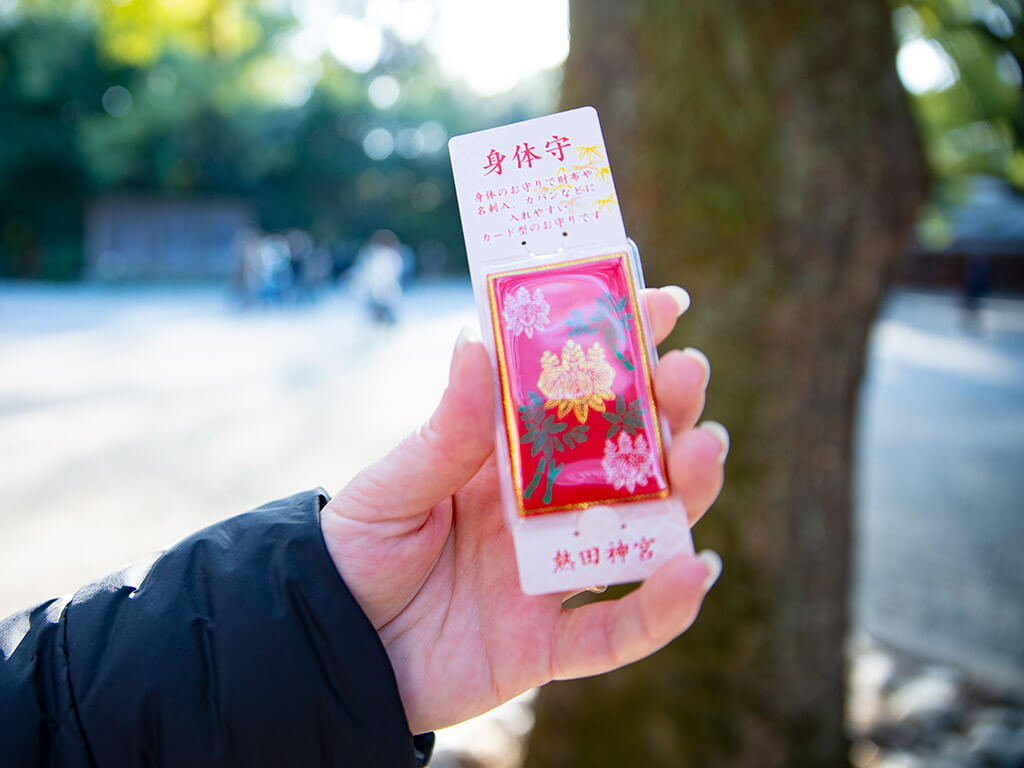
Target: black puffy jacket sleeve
(239,646)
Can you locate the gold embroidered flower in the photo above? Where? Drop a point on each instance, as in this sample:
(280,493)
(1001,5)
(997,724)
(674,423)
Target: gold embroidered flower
(577,382)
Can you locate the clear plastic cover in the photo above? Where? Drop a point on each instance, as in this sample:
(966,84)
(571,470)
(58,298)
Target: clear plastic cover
(578,426)
(580,446)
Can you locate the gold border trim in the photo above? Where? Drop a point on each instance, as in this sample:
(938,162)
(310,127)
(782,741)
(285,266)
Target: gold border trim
(511,422)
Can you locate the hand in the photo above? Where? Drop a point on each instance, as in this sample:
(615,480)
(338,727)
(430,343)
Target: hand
(419,539)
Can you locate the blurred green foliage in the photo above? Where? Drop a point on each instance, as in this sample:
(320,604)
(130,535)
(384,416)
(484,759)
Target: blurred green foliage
(968,56)
(207,99)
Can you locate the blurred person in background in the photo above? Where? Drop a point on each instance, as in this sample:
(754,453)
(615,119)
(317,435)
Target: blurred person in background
(377,277)
(976,281)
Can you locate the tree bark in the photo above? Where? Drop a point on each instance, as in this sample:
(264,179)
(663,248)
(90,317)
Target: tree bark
(765,159)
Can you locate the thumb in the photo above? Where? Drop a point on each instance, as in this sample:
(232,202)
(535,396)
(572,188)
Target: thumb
(442,455)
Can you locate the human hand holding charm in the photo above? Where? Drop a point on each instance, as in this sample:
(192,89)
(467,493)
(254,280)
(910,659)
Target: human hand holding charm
(461,636)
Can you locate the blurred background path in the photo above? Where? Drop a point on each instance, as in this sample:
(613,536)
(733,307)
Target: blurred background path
(941,484)
(131,416)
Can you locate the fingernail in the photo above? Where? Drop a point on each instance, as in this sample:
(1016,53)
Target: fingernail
(701,358)
(597,589)
(682,298)
(713,561)
(721,434)
(466,335)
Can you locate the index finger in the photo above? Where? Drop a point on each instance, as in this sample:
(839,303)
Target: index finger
(664,306)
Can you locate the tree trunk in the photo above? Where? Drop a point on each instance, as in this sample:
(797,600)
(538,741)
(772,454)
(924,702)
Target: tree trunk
(766,160)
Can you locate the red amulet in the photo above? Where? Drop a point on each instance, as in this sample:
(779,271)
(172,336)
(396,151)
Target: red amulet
(572,356)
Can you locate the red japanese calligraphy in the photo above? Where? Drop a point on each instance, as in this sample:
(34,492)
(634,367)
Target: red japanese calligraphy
(556,147)
(564,561)
(590,556)
(644,547)
(618,551)
(525,154)
(494,160)
(530,205)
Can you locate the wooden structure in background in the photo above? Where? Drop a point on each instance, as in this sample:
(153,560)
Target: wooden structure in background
(128,239)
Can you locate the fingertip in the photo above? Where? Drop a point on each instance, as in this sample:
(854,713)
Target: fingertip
(684,573)
(721,434)
(713,561)
(467,407)
(696,469)
(467,334)
(700,448)
(680,296)
(674,593)
(601,636)
(679,382)
(471,367)
(662,309)
(682,370)
(702,361)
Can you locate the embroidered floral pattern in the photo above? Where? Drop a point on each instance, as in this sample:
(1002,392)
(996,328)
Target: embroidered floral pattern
(577,382)
(578,408)
(611,320)
(628,417)
(629,463)
(547,437)
(525,313)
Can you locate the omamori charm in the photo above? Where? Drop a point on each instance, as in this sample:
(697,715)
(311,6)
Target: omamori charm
(580,457)
(576,386)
